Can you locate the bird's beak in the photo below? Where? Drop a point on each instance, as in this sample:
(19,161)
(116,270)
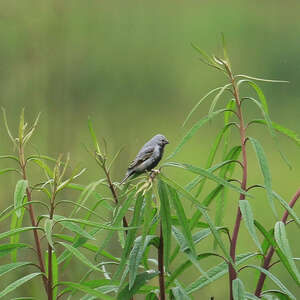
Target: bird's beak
(167,142)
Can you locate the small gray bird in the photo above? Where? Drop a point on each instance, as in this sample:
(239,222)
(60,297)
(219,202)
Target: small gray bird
(148,157)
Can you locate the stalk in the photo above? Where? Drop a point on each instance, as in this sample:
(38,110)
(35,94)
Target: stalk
(32,219)
(266,263)
(161,266)
(232,272)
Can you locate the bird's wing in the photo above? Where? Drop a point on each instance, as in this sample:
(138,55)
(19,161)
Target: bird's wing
(144,154)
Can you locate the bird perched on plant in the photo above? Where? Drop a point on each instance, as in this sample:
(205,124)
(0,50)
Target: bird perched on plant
(148,157)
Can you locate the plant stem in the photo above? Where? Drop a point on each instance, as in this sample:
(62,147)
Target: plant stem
(50,271)
(232,272)
(161,266)
(114,193)
(32,218)
(266,263)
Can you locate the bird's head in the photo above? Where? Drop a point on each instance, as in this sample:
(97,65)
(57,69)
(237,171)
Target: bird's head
(160,139)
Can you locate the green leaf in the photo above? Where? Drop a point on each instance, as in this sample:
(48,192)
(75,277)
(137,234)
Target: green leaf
(287,132)
(135,256)
(283,243)
(183,221)
(274,295)
(10,267)
(70,225)
(11,287)
(179,292)
(217,97)
(93,135)
(19,194)
(206,202)
(249,221)
(85,289)
(193,131)
(188,196)
(251,296)
(207,59)
(166,222)
(198,103)
(287,207)
(275,280)
(181,240)
(7,128)
(48,231)
(8,248)
(16,231)
(16,222)
(80,256)
(217,272)
(141,279)
(211,176)
(85,245)
(238,289)
(136,220)
(120,214)
(3,171)
(279,252)
(265,171)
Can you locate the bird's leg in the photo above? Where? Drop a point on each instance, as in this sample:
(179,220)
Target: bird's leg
(153,173)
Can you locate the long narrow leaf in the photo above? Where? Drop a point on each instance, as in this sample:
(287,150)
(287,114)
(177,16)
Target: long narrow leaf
(193,131)
(11,287)
(265,171)
(283,243)
(19,195)
(249,221)
(275,280)
(238,289)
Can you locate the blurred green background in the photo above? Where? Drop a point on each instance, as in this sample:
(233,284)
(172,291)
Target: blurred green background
(129,66)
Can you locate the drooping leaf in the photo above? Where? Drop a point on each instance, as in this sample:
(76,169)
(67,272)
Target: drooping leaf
(249,221)
(283,258)
(275,280)
(19,195)
(8,248)
(80,256)
(141,279)
(193,131)
(11,287)
(217,272)
(288,208)
(135,256)
(86,289)
(283,243)
(136,219)
(238,289)
(260,153)
(16,231)
(10,267)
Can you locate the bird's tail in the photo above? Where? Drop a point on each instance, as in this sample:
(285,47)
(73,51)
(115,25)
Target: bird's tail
(125,178)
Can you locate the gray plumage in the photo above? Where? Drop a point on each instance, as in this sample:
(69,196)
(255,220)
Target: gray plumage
(148,157)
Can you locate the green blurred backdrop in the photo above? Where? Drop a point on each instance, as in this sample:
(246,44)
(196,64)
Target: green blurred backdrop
(129,65)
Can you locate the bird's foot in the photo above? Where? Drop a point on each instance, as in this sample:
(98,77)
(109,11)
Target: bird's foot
(153,173)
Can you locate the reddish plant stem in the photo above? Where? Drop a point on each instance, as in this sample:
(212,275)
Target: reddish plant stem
(50,269)
(33,222)
(161,266)
(232,272)
(266,263)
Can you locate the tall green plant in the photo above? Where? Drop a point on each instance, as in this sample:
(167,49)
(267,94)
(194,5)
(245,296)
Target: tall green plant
(158,241)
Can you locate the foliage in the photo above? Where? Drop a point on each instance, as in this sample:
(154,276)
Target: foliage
(148,216)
